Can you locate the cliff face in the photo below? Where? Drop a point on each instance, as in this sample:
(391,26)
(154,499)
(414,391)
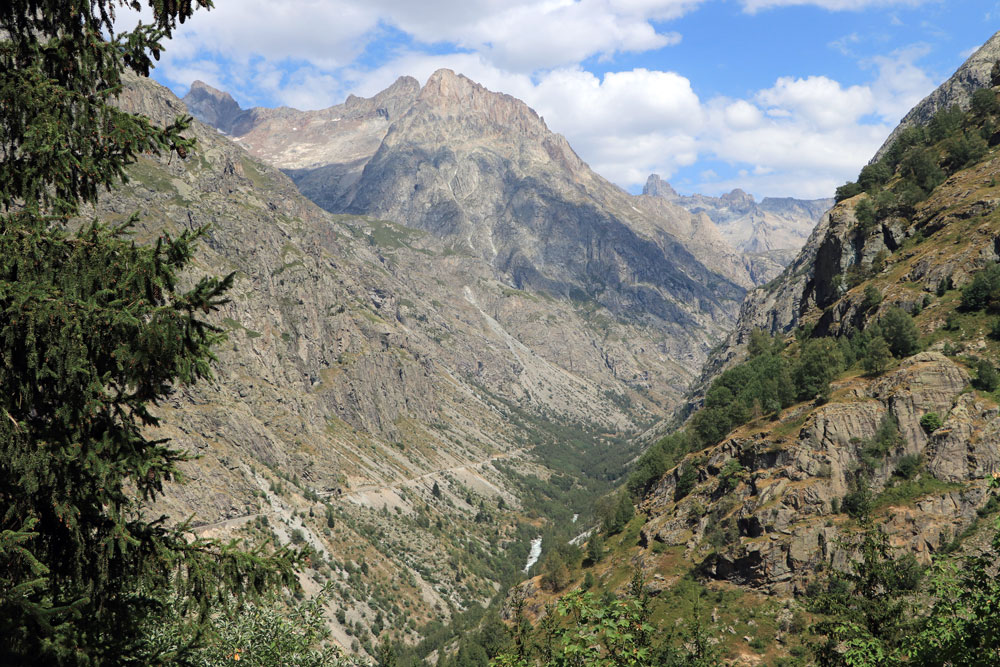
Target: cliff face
(785,510)
(806,285)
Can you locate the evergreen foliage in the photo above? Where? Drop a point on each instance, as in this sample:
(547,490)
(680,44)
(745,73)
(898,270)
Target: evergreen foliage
(618,515)
(983,293)
(987,378)
(871,616)
(900,332)
(876,356)
(930,422)
(93,331)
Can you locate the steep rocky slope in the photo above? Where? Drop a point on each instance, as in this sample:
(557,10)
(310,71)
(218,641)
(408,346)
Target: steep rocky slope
(776,226)
(766,506)
(831,249)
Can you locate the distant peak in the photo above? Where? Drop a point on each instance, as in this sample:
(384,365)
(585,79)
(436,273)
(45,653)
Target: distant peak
(657,187)
(200,88)
(445,83)
(738,198)
(211,105)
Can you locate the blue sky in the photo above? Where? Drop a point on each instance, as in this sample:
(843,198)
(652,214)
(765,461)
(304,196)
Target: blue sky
(779,97)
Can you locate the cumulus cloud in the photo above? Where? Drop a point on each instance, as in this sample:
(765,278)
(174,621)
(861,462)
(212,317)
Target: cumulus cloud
(516,35)
(800,136)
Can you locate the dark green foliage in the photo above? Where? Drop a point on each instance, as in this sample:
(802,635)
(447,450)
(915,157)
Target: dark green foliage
(818,363)
(555,574)
(93,330)
(887,439)
(909,466)
(729,476)
(909,137)
(436,490)
(874,176)
(987,378)
(995,329)
(943,286)
(865,214)
(760,386)
(848,190)
(920,168)
(595,548)
(686,480)
(983,293)
(900,332)
(873,297)
(945,123)
(619,515)
(859,501)
(964,150)
(930,422)
(876,357)
(657,460)
(871,613)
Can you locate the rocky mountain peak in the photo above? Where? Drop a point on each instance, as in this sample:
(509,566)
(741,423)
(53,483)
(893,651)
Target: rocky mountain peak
(456,96)
(657,187)
(391,102)
(738,199)
(212,106)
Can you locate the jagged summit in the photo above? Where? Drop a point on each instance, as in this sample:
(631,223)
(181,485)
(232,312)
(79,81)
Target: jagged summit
(776,226)
(212,106)
(481,171)
(657,187)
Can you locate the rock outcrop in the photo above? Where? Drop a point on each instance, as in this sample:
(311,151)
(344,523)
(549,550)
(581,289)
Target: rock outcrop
(783,514)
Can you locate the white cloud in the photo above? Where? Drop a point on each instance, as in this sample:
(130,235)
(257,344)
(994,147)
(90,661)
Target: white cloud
(516,35)
(900,83)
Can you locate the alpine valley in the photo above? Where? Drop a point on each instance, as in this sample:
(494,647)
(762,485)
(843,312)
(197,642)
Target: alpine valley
(449,337)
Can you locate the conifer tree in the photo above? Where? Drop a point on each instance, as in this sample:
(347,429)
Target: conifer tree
(94,330)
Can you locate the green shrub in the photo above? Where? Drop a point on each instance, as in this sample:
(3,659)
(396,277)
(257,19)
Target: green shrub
(873,297)
(729,476)
(987,378)
(983,293)
(876,356)
(930,422)
(686,481)
(909,466)
(984,102)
